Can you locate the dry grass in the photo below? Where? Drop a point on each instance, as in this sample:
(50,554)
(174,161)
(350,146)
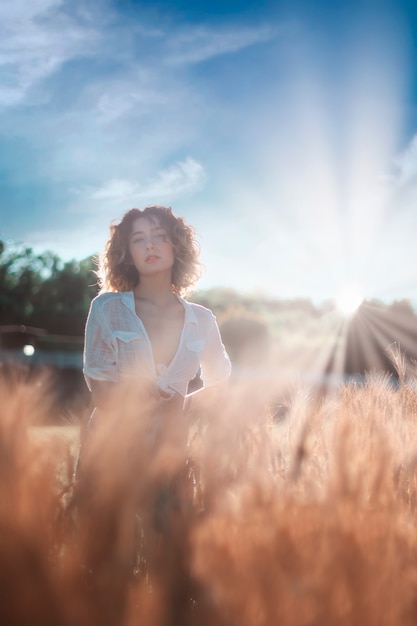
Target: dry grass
(310,521)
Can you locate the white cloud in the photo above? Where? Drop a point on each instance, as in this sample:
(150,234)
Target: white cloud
(116,189)
(100,206)
(20,10)
(139,89)
(187,175)
(36,38)
(118,99)
(201,43)
(407,161)
(156,77)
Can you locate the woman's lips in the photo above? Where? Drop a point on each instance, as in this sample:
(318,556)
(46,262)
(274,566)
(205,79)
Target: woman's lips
(152,258)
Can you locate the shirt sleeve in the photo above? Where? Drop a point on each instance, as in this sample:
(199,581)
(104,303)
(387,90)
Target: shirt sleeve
(100,348)
(215,362)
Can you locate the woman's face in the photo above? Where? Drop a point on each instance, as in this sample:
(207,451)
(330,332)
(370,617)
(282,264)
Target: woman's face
(150,247)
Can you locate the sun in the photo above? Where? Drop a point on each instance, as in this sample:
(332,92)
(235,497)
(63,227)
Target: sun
(349,300)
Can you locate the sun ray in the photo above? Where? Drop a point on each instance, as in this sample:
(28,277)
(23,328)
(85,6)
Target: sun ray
(373,331)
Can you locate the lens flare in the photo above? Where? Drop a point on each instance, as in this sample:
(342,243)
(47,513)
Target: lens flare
(28,350)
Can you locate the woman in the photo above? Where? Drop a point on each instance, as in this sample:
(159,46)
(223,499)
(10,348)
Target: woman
(139,328)
(141,335)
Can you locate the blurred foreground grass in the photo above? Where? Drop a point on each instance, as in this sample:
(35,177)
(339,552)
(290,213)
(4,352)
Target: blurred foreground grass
(62,443)
(306,521)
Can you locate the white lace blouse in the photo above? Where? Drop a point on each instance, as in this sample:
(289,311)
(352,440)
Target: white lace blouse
(118,347)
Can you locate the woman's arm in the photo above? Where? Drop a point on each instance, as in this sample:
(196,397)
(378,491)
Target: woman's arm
(215,368)
(205,396)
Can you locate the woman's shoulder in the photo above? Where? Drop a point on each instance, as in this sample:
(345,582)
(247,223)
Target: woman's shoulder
(108,297)
(199,310)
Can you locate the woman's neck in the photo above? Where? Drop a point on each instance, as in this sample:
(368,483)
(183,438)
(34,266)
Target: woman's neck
(158,292)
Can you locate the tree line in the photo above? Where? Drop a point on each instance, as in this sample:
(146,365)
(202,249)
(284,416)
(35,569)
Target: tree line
(41,290)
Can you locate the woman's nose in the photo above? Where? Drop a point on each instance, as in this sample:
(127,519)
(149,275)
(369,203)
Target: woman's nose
(149,244)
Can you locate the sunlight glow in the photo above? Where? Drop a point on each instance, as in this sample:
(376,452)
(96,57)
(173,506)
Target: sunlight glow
(327,181)
(349,300)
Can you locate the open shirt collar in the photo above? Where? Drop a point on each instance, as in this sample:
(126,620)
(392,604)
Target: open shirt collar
(190,317)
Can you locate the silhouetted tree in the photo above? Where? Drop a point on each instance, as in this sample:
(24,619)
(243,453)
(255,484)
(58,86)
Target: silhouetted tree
(41,290)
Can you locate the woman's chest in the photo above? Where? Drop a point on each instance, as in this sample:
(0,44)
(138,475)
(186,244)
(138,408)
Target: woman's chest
(164,335)
(135,354)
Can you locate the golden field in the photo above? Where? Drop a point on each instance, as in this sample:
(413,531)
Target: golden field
(305,517)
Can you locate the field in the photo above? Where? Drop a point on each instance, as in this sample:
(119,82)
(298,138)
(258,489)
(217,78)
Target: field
(302,516)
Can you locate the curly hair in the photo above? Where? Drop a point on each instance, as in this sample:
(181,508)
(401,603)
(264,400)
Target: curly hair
(115,269)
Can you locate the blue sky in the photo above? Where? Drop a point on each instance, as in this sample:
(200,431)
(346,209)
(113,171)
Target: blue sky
(284,131)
